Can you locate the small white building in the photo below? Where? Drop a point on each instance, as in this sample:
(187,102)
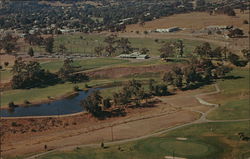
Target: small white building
(135,55)
(168,30)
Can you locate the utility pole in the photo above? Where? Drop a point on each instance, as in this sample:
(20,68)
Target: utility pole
(112,134)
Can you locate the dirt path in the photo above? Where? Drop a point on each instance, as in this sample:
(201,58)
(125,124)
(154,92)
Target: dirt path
(202,119)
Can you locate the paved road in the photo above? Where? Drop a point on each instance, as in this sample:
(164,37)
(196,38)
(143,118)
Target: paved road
(202,119)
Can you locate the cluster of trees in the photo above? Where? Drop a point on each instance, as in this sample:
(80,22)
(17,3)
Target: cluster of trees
(30,74)
(197,72)
(133,93)
(107,15)
(226,10)
(68,73)
(8,43)
(38,40)
(171,49)
(221,54)
(114,46)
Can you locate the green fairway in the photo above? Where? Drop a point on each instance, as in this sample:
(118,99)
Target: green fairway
(234,98)
(202,141)
(238,109)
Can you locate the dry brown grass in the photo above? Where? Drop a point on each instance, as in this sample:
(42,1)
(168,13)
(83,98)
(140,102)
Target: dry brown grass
(194,21)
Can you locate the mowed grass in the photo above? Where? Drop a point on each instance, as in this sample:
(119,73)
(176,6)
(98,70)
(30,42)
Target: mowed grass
(86,43)
(234,98)
(202,141)
(5,75)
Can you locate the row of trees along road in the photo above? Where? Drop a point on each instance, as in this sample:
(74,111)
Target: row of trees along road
(204,51)
(30,74)
(132,93)
(114,46)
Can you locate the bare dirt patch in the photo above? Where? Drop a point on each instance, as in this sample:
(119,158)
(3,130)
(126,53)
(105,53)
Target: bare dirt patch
(193,21)
(116,72)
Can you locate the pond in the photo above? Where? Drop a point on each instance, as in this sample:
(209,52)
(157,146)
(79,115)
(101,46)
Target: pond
(64,106)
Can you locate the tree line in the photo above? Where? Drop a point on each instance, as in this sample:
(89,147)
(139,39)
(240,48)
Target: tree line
(30,74)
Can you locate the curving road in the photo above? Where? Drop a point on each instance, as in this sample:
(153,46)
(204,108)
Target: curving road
(202,119)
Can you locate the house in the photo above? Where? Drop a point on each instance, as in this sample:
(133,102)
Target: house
(135,55)
(168,30)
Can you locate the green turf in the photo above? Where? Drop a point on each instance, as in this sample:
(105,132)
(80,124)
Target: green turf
(238,109)
(234,98)
(203,141)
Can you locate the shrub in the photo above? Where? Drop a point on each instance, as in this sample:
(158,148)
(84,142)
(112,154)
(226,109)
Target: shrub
(11,105)
(6,64)
(26,101)
(245,22)
(76,88)
(14,124)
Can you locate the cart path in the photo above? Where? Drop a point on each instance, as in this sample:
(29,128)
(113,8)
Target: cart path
(202,119)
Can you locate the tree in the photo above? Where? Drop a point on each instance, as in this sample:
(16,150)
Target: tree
(203,50)
(167,50)
(168,78)
(106,103)
(235,33)
(144,51)
(177,70)
(91,103)
(49,44)
(31,52)
(6,64)
(221,70)
(66,70)
(8,43)
(62,48)
(151,86)
(125,45)
(98,50)
(30,74)
(216,53)
(233,58)
(246,53)
(177,82)
(180,47)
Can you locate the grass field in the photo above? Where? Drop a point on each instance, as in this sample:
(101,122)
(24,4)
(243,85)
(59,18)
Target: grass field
(203,141)
(234,98)
(86,44)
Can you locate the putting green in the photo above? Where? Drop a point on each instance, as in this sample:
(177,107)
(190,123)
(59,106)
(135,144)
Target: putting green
(184,147)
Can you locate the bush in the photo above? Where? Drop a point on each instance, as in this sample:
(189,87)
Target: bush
(26,101)
(14,124)
(76,88)
(11,105)
(6,64)
(245,22)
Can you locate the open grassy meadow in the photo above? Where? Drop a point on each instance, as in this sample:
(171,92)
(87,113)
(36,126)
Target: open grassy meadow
(85,44)
(234,98)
